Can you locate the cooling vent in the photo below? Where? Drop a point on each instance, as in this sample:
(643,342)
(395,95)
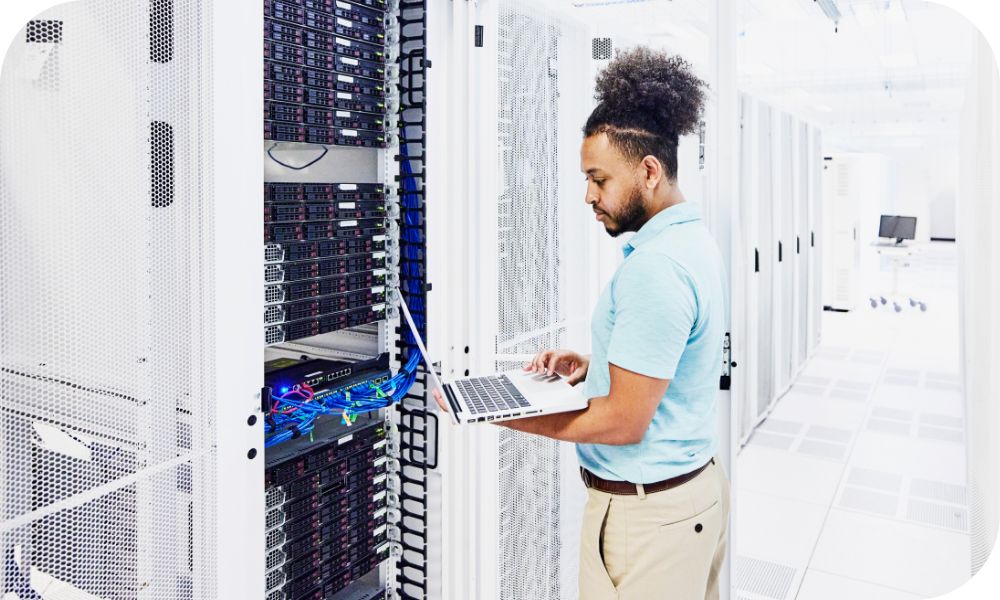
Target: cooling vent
(45,32)
(602,48)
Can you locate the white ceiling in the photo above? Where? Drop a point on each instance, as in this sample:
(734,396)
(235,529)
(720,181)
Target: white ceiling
(892,74)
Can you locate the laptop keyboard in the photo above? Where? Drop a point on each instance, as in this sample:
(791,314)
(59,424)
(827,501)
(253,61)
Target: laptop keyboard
(490,394)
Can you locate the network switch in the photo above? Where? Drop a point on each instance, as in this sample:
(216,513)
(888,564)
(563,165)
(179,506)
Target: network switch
(322,192)
(332,374)
(296,251)
(305,115)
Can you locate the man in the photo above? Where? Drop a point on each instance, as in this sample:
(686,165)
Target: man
(655,525)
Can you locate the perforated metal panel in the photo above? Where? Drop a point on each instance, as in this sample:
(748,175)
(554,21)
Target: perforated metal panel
(529,300)
(105,368)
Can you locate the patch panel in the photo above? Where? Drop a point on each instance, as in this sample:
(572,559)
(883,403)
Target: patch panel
(319,230)
(306,250)
(327,211)
(323,192)
(287,132)
(298,311)
(326,324)
(304,115)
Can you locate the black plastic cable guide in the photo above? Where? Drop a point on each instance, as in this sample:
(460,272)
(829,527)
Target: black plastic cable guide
(417,425)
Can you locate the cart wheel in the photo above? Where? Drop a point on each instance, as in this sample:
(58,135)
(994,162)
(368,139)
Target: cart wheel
(873,302)
(913,303)
(923,307)
(884,301)
(897,307)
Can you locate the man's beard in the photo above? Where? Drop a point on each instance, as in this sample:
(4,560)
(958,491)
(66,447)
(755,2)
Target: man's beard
(629,217)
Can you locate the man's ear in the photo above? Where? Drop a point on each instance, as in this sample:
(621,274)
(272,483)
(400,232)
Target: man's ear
(654,172)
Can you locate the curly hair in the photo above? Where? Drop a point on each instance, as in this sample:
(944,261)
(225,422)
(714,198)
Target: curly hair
(646,101)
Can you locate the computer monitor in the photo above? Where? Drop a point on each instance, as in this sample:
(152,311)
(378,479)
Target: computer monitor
(898,228)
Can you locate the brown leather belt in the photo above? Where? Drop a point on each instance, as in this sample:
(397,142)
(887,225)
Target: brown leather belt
(625,488)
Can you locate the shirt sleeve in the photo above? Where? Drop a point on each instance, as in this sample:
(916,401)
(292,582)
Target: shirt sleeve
(654,310)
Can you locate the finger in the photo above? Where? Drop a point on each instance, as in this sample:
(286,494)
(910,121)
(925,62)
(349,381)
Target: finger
(440,400)
(577,376)
(540,360)
(557,362)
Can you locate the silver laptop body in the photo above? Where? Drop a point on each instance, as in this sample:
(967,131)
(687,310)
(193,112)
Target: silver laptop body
(510,395)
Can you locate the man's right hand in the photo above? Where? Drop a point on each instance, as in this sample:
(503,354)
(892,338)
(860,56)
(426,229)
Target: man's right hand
(566,363)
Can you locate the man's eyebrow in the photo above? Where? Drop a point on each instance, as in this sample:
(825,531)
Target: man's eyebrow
(593,171)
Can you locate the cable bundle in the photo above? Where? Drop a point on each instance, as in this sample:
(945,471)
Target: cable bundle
(294,413)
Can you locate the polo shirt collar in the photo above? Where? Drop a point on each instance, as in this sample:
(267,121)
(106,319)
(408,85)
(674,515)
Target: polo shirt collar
(685,212)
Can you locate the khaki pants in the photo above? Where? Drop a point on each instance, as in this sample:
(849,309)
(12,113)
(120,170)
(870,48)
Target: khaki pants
(669,545)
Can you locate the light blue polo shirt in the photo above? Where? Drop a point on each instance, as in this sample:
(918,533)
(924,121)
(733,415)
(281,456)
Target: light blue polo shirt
(663,315)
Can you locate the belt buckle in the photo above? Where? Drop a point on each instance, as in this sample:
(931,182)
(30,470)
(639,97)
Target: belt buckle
(588,482)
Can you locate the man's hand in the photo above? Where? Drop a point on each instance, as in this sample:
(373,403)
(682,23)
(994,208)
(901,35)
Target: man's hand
(566,363)
(439,396)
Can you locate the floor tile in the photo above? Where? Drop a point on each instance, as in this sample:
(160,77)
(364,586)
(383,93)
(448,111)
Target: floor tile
(786,475)
(823,586)
(909,557)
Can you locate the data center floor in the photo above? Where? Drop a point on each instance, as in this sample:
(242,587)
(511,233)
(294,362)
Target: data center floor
(855,486)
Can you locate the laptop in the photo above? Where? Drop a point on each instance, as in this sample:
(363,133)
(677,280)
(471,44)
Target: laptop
(504,396)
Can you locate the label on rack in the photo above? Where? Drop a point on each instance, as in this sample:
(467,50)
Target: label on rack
(345,78)
(344,42)
(347,205)
(348,223)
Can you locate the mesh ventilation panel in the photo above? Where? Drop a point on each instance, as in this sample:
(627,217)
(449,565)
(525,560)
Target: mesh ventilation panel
(530,306)
(108,476)
(601,48)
